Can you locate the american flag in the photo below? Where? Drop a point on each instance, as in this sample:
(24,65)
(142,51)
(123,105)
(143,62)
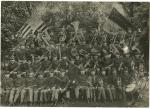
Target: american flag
(27,28)
(34,26)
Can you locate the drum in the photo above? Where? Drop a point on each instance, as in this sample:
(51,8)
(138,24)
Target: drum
(130,87)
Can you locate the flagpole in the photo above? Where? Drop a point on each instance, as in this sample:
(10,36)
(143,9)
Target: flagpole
(59,51)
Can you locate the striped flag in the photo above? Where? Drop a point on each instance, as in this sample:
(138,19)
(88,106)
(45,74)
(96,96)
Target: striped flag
(27,29)
(119,19)
(113,18)
(43,28)
(34,25)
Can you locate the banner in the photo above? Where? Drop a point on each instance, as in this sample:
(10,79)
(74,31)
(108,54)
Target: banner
(119,19)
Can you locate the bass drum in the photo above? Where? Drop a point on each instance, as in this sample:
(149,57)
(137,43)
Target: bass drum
(130,88)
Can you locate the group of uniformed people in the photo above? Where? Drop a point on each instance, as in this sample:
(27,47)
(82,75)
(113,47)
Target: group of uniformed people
(51,86)
(95,70)
(33,89)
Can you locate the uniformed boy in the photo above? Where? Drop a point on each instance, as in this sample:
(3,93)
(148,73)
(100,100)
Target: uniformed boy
(13,89)
(50,84)
(7,85)
(29,87)
(82,85)
(19,85)
(42,89)
(12,65)
(119,88)
(23,91)
(93,83)
(101,86)
(113,83)
(64,85)
(109,92)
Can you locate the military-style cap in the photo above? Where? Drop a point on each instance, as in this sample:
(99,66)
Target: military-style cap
(14,72)
(104,51)
(19,75)
(46,71)
(64,57)
(55,71)
(40,75)
(7,75)
(51,72)
(12,59)
(31,74)
(93,51)
(103,72)
(108,56)
(93,70)
(87,69)
(23,73)
(82,70)
(63,72)
(98,54)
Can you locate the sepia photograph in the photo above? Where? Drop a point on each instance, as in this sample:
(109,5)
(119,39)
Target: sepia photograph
(74,54)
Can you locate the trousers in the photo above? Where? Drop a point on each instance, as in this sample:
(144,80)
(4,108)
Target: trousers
(11,97)
(24,92)
(101,92)
(87,90)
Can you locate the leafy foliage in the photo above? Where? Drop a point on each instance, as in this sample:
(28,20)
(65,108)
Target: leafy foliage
(13,16)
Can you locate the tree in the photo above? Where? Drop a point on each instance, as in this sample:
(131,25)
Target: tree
(139,13)
(13,16)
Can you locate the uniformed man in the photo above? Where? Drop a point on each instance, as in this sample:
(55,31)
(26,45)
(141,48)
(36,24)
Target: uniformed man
(19,85)
(113,84)
(42,88)
(55,86)
(13,89)
(141,70)
(119,88)
(64,63)
(7,85)
(36,90)
(109,92)
(77,60)
(93,83)
(64,85)
(45,63)
(21,53)
(29,87)
(23,91)
(55,62)
(101,85)
(63,50)
(113,91)
(12,65)
(126,78)
(74,51)
(82,84)
(50,84)
(23,66)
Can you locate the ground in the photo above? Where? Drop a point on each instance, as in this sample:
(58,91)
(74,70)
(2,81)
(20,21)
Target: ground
(140,103)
